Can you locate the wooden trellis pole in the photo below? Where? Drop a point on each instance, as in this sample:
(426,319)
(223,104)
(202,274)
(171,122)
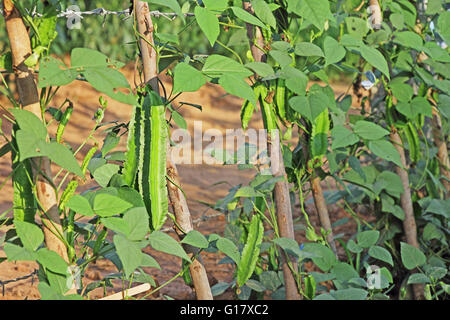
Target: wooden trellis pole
(409,223)
(281,190)
(29,99)
(176,196)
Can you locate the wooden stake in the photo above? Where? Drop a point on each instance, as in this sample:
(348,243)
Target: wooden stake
(128,293)
(442,154)
(29,99)
(177,199)
(281,190)
(322,210)
(409,223)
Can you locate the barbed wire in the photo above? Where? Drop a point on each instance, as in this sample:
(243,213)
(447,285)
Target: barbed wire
(5,282)
(71,13)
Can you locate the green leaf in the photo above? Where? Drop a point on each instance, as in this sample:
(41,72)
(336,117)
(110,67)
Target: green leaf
(262,69)
(104,174)
(82,58)
(255,285)
(17,253)
(342,137)
(216,66)
(172,4)
(325,257)
(433,7)
(116,224)
(431,232)
(402,91)
(443,26)
(196,239)
(62,156)
(53,72)
(264,12)
(384,149)
(270,280)
(391,182)
(315,11)
(398,20)
(388,205)
(137,220)
(187,78)
(167,37)
(52,261)
(381,253)
(281,57)
(30,234)
(408,39)
(307,49)
(354,247)
(334,52)
(310,107)
(357,27)
(107,205)
(440,207)
(150,262)
(247,17)
(216,5)
(129,252)
(229,248)
(208,22)
(343,271)
(165,243)
(419,105)
(296,81)
(238,87)
(248,192)
(111,141)
(289,245)
(376,59)
(26,120)
(111,82)
(80,205)
(250,253)
(179,120)
(367,239)
(350,294)
(418,278)
(411,256)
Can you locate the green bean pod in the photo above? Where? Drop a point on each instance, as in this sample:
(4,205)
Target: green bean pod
(68,193)
(269,117)
(24,203)
(88,158)
(413,142)
(280,99)
(248,108)
(63,123)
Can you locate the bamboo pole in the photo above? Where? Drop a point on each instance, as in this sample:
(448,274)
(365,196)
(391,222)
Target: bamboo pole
(281,190)
(177,199)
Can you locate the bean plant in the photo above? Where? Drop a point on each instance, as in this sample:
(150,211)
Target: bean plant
(381,148)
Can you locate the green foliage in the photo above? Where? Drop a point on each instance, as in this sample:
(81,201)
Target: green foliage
(403,67)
